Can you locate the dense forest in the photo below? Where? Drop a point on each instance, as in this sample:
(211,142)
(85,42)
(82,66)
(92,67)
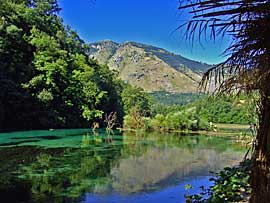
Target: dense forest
(178,99)
(47,79)
(190,111)
(237,109)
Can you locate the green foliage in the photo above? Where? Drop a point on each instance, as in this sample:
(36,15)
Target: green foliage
(239,109)
(45,96)
(46,76)
(174,121)
(198,115)
(134,120)
(136,98)
(228,109)
(230,185)
(159,108)
(178,99)
(180,120)
(48,81)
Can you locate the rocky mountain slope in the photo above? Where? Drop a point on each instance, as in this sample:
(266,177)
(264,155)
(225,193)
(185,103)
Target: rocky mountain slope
(149,67)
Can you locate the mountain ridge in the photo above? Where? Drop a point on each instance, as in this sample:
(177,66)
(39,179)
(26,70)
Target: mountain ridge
(149,67)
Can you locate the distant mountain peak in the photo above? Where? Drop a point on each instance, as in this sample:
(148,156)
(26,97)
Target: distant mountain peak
(149,67)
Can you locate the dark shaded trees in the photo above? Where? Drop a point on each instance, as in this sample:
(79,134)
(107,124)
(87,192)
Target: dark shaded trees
(47,79)
(246,69)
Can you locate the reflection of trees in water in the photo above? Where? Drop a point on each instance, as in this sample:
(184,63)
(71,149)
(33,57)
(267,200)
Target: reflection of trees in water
(74,172)
(168,158)
(158,164)
(13,188)
(128,164)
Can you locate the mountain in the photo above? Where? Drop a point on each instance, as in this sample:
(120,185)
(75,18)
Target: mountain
(149,67)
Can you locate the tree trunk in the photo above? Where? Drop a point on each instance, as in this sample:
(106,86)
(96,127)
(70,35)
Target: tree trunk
(260,178)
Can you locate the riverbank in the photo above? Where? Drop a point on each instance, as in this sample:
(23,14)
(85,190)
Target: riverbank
(232,184)
(239,131)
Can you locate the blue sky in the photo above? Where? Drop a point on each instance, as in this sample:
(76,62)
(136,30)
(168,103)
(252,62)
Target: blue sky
(146,21)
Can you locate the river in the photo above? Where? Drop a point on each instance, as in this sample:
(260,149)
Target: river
(78,165)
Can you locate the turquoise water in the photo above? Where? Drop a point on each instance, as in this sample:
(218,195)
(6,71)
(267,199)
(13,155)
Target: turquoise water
(79,165)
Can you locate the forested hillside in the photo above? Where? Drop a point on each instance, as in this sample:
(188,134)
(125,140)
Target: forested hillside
(237,109)
(49,80)
(46,77)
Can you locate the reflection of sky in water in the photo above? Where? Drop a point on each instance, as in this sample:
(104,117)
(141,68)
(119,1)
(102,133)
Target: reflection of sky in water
(100,168)
(172,194)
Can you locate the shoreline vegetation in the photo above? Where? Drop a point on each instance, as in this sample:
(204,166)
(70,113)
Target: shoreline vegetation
(232,184)
(198,114)
(238,131)
(49,81)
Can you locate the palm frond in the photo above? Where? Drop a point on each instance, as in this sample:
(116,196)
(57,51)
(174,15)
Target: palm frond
(248,22)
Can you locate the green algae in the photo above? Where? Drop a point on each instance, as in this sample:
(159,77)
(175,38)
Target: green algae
(51,138)
(62,165)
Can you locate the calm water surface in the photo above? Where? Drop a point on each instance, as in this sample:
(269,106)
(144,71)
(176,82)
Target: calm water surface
(79,166)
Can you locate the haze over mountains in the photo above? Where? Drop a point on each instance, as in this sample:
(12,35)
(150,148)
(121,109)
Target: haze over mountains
(149,67)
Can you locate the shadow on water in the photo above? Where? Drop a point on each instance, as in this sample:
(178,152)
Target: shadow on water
(17,143)
(19,191)
(60,166)
(48,137)
(13,188)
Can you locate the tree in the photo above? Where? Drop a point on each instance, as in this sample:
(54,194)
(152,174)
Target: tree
(136,98)
(47,78)
(246,69)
